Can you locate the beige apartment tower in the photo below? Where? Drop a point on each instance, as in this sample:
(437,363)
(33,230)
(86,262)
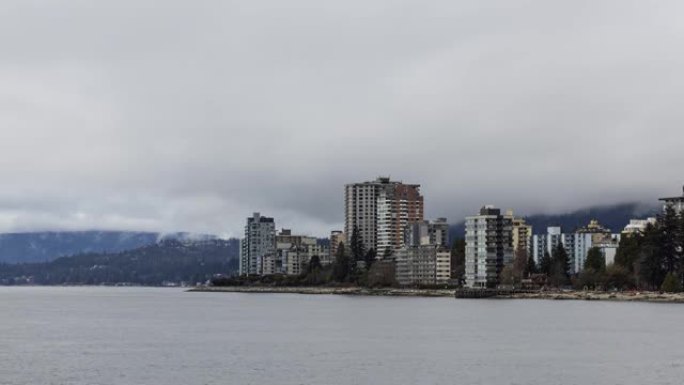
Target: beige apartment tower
(380,210)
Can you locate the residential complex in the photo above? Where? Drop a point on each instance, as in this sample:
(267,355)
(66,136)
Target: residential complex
(489,246)
(380,210)
(388,217)
(295,251)
(258,247)
(576,244)
(424,258)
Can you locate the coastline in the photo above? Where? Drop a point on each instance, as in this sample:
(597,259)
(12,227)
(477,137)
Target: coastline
(324,290)
(398,292)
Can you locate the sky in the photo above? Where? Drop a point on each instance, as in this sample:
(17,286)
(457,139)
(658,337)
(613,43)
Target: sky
(190,115)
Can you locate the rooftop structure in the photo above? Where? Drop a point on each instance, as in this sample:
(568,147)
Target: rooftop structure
(677,203)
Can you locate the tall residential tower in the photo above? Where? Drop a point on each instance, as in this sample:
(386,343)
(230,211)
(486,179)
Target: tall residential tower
(380,211)
(489,246)
(258,246)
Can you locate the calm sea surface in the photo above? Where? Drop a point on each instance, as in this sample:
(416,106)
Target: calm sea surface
(94,335)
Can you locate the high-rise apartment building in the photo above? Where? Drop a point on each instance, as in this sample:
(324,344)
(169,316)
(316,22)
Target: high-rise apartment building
(258,247)
(380,211)
(522,235)
(489,246)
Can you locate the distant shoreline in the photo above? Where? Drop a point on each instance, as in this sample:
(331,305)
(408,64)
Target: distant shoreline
(397,292)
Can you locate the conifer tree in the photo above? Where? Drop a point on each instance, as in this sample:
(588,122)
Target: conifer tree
(595,260)
(545,264)
(531,266)
(560,265)
(651,266)
(627,254)
(341,266)
(369,258)
(357,247)
(668,224)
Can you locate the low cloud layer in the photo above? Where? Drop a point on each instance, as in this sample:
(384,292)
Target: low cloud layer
(188,116)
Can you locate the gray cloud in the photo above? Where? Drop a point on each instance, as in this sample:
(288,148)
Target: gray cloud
(175,115)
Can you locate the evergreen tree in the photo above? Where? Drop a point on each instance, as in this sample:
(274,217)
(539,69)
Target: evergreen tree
(531,266)
(342,265)
(369,258)
(651,271)
(314,263)
(671,284)
(520,264)
(458,258)
(560,266)
(545,264)
(357,247)
(627,254)
(387,254)
(595,260)
(668,225)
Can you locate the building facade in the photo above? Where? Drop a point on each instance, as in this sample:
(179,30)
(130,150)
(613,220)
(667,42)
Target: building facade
(489,247)
(637,226)
(422,265)
(294,252)
(522,235)
(677,203)
(258,247)
(427,233)
(380,210)
(336,237)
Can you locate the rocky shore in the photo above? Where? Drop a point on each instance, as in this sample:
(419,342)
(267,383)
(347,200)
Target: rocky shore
(397,292)
(328,291)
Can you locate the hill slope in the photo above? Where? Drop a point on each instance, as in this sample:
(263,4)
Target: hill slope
(47,246)
(157,264)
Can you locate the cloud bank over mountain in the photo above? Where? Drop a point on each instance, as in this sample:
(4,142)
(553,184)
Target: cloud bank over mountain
(179,116)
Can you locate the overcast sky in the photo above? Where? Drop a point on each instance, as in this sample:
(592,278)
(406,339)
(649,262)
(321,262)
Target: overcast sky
(190,115)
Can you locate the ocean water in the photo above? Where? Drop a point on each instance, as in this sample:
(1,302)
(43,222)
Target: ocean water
(96,335)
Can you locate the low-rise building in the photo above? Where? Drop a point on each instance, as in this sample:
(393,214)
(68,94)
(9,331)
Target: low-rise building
(336,237)
(422,265)
(638,226)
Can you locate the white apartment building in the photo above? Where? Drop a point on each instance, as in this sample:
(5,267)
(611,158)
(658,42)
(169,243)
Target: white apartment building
(258,246)
(489,246)
(638,226)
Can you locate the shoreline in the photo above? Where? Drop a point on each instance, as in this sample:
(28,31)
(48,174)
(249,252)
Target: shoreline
(398,292)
